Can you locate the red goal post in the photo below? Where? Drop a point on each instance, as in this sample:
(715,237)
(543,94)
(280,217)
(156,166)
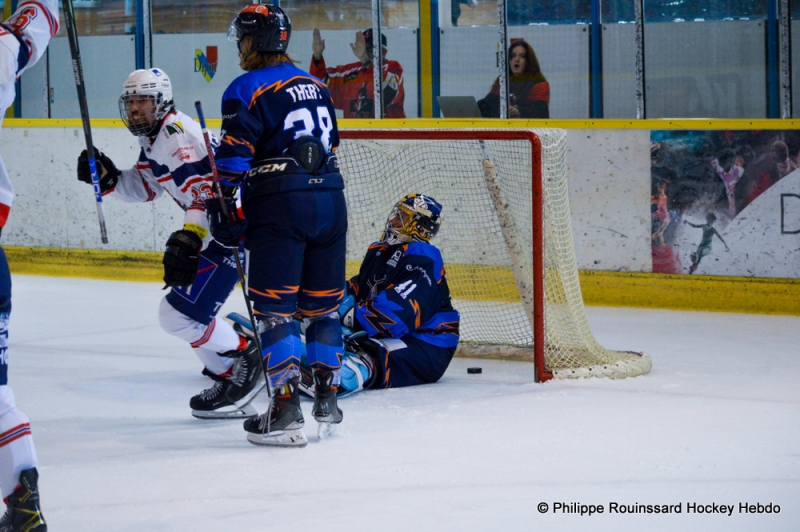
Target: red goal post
(506,237)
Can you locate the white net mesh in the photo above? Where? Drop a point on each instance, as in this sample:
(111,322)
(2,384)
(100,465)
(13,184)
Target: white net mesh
(486,239)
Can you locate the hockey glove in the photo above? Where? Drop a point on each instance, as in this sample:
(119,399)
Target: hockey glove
(227,230)
(107,173)
(181,258)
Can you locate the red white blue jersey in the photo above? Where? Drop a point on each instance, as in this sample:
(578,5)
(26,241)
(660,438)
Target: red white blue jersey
(23,40)
(176,161)
(402,290)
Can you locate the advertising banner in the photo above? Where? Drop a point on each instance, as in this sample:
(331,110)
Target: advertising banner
(726,202)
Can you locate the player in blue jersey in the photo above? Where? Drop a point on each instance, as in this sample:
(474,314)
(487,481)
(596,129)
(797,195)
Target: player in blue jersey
(24,36)
(279,141)
(201,271)
(403,329)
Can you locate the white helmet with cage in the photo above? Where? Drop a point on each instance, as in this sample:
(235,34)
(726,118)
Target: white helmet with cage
(146,99)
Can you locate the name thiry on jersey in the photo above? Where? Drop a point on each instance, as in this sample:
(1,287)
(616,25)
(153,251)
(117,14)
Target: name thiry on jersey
(304,91)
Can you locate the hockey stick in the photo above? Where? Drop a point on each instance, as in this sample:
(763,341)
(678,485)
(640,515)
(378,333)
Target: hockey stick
(77,69)
(227,214)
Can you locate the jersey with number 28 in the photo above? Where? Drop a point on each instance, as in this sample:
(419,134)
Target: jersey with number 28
(266,110)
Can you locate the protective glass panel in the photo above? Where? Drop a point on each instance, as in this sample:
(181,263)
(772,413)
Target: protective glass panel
(190,43)
(214,16)
(106,17)
(712,69)
(555,85)
(685,10)
(190,16)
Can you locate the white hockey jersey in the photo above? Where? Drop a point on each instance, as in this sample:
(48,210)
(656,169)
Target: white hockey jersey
(176,161)
(23,40)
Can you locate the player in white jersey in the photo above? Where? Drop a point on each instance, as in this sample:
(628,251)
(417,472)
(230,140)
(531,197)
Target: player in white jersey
(201,271)
(23,40)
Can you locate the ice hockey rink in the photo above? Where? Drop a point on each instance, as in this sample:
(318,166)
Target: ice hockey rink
(716,422)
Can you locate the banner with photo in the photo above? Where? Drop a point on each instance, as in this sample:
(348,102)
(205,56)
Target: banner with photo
(726,202)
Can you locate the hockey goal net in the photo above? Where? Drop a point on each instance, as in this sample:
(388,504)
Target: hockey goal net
(506,238)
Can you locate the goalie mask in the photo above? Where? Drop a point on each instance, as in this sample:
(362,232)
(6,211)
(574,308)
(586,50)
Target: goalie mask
(146,99)
(268,26)
(416,217)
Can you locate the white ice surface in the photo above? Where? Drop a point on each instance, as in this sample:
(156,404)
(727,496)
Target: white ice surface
(716,421)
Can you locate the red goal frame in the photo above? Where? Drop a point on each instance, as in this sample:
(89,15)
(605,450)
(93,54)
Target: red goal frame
(541,373)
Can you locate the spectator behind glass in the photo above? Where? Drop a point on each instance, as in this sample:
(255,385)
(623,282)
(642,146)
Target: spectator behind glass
(351,85)
(528,90)
(455,9)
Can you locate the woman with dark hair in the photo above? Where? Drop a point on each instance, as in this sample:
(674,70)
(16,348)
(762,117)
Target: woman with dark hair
(528,90)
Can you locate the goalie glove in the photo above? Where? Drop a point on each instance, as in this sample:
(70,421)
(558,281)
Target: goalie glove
(107,172)
(227,230)
(181,258)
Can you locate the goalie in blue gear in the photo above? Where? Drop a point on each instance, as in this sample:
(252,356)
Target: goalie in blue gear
(399,324)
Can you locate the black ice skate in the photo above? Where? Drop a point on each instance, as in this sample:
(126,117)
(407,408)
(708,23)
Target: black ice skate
(247,375)
(211,375)
(282,424)
(23,513)
(325,411)
(212,404)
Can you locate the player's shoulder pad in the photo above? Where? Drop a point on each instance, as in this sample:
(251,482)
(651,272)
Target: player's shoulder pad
(428,251)
(183,124)
(175,128)
(173,125)
(250,85)
(378,245)
(240,88)
(180,138)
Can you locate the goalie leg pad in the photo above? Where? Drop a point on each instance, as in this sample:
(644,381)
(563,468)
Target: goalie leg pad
(358,373)
(241,324)
(409,361)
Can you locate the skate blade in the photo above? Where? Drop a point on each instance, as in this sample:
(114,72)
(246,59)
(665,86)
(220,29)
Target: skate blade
(247,399)
(231,412)
(279,438)
(325,430)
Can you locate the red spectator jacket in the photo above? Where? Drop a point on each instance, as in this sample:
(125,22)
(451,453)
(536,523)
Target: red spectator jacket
(352,88)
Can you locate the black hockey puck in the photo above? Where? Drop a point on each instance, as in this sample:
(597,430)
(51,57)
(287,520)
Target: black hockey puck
(474,370)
